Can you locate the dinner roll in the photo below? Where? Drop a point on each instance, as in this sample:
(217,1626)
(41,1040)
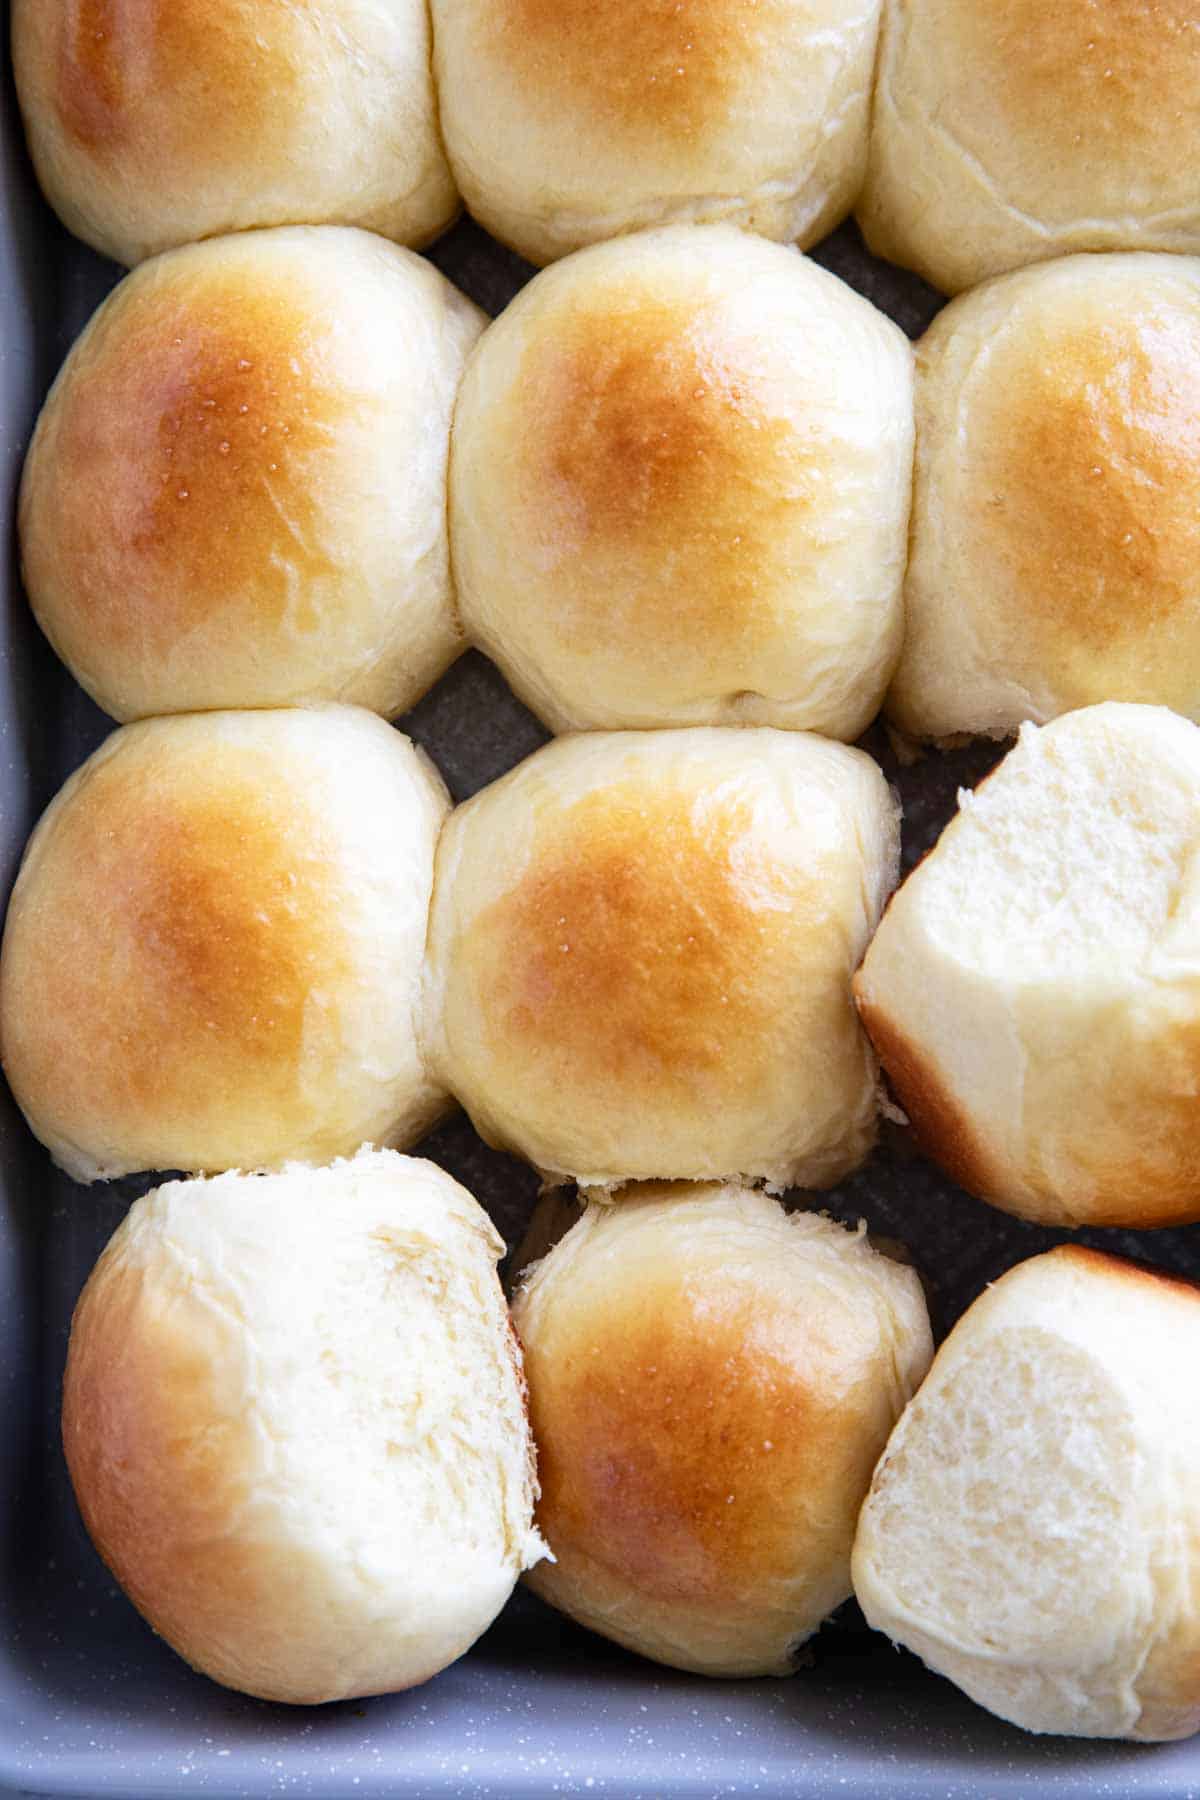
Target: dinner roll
(1032,1528)
(1010,132)
(710,1385)
(293,1414)
(1034,988)
(695,450)
(212,957)
(1056,522)
(567,121)
(236,493)
(157,123)
(640,955)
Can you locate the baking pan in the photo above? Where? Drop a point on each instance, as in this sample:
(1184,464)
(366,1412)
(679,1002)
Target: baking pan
(91,1703)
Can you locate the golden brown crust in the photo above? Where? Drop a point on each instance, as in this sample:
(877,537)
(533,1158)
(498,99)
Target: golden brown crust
(1008,133)
(154,123)
(673,1426)
(181,478)
(659,437)
(651,70)
(1088,485)
(1141,1166)
(940,1126)
(1104,75)
(1127,1268)
(1136,1168)
(636,951)
(112,62)
(188,948)
(159,1466)
(660,926)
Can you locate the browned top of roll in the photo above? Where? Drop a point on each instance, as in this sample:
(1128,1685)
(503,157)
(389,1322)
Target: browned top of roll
(154,123)
(707,910)
(695,1393)
(187,953)
(662,437)
(199,445)
(652,69)
(1091,439)
(109,59)
(1076,72)
(198,936)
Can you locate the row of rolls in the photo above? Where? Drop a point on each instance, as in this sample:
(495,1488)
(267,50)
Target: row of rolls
(673,484)
(238,939)
(316,1449)
(972,140)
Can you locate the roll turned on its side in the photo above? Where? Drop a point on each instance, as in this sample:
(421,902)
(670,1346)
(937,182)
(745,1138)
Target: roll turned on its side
(1033,990)
(293,1414)
(1032,1527)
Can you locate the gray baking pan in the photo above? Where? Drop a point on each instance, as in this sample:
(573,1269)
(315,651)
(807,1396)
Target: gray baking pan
(91,1703)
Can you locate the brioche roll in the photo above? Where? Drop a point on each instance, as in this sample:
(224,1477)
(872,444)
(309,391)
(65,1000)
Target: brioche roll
(640,955)
(1055,550)
(293,1415)
(1006,133)
(710,1384)
(161,122)
(236,493)
(212,957)
(1031,1530)
(696,450)
(1034,990)
(568,122)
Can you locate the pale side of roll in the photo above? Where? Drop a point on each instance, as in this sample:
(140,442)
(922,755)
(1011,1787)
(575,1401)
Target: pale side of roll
(1031,1530)
(1055,544)
(695,448)
(567,122)
(294,1418)
(1006,133)
(1033,991)
(236,493)
(640,954)
(213,951)
(710,1384)
(155,124)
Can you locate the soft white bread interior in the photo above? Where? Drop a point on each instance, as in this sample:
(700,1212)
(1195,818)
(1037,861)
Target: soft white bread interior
(696,450)
(1006,133)
(1031,1530)
(1055,545)
(236,493)
(710,1383)
(640,955)
(294,1418)
(567,121)
(1033,991)
(159,123)
(213,951)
